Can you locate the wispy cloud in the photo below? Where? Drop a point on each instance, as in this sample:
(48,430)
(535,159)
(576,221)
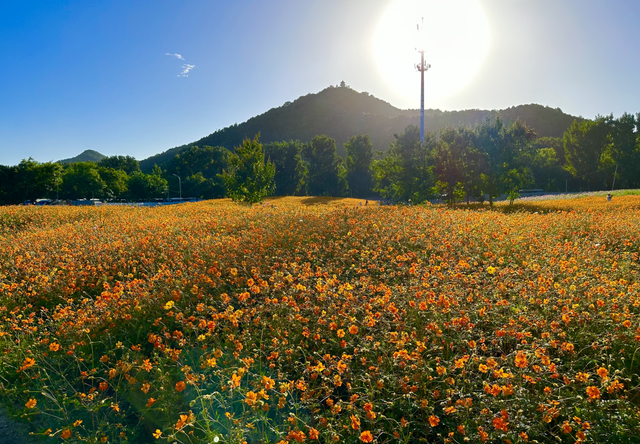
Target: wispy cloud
(185,70)
(177,56)
(186,67)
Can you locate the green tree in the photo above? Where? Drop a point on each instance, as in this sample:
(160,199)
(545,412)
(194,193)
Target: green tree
(81,180)
(291,172)
(406,172)
(326,173)
(33,180)
(507,148)
(200,170)
(547,170)
(249,178)
(115,181)
(359,150)
(146,186)
(584,145)
(458,163)
(127,164)
(624,150)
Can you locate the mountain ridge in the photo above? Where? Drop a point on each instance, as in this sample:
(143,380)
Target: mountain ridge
(341,112)
(85,156)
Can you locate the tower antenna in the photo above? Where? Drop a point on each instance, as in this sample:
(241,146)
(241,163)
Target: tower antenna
(422,67)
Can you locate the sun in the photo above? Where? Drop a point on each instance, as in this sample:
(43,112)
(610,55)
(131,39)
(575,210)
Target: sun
(455,37)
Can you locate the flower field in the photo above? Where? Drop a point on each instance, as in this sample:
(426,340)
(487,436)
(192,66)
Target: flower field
(215,322)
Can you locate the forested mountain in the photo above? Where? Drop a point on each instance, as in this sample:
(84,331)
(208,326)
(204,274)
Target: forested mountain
(341,112)
(85,156)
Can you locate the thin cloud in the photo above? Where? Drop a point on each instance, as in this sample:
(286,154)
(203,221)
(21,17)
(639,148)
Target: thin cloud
(177,56)
(185,70)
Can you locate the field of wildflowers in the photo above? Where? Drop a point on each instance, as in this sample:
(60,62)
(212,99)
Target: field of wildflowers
(283,323)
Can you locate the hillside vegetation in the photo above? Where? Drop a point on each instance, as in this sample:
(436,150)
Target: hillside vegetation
(341,112)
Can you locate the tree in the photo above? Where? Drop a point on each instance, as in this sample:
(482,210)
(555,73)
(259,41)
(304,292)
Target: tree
(406,172)
(200,170)
(127,164)
(359,151)
(459,164)
(249,178)
(326,173)
(146,186)
(82,180)
(291,172)
(507,150)
(115,181)
(584,145)
(624,150)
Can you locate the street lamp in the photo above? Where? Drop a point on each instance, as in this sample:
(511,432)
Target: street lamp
(179,184)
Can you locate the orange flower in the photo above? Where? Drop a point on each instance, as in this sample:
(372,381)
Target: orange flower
(313,433)
(268,382)
(66,434)
(150,402)
(603,373)
(366,436)
(434,420)
(593,392)
(180,386)
(521,360)
(353,329)
(251,398)
(355,422)
(340,333)
(103,386)
(31,403)
(235,380)
(28,363)
(182,422)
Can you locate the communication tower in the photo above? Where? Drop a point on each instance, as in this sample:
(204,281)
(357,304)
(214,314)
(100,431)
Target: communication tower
(422,67)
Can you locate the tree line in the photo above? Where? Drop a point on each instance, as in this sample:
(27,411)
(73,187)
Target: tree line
(456,164)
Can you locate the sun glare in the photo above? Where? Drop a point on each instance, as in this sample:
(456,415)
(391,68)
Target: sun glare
(455,37)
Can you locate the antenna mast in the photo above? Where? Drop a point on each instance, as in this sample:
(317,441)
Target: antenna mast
(422,67)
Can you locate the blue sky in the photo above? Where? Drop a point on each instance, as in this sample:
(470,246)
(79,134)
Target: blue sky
(80,74)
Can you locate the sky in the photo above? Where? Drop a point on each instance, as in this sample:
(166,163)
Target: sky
(140,77)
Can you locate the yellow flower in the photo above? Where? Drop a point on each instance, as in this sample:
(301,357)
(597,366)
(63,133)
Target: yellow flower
(31,403)
(157,434)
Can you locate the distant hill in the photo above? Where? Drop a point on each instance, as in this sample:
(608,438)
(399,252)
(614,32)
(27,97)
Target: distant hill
(85,156)
(341,112)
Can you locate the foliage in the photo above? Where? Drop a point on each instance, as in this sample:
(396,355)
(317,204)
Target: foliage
(200,170)
(291,172)
(327,175)
(82,180)
(327,323)
(146,186)
(127,164)
(359,151)
(406,172)
(341,113)
(249,178)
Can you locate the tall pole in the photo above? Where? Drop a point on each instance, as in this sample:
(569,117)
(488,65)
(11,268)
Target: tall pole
(422,68)
(614,178)
(422,99)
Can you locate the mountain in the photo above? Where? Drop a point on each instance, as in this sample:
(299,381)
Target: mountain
(341,112)
(85,156)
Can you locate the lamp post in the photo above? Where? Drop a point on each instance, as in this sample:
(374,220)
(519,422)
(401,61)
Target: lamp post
(179,185)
